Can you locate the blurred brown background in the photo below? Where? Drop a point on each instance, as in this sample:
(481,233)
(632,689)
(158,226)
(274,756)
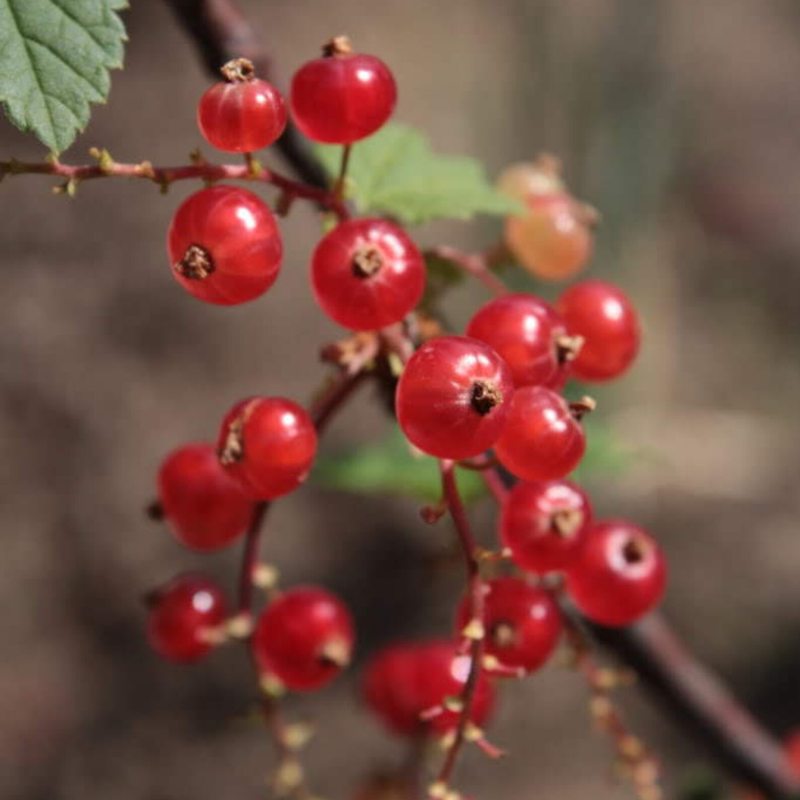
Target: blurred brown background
(679,119)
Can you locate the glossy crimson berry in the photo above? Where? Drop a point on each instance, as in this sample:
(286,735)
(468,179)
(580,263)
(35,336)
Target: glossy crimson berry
(522,622)
(543,438)
(243,113)
(207,509)
(403,681)
(530,336)
(544,524)
(453,396)
(181,612)
(791,748)
(367,274)
(304,638)
(343,96)
(619,575)
(224,245)
(268,445)
(604,316)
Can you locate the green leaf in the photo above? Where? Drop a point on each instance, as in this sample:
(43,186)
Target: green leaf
(54,61)
(395,173)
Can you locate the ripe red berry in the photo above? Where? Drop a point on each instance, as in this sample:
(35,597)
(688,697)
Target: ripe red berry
(224,245)
(453,396)
(530,336)
(522,622)
(367,274)
(268,445)
(343,96)
(304,638)
(606,319)
(243,113)
(619,574)
(791,748)
(406,679)
(544,524)
(543,438)
(181,613)
(207,508)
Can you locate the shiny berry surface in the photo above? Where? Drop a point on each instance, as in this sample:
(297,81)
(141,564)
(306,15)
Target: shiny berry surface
(522,622)
(542,439)
(406,679)
(204,506)
(268,445)
(619,575)
(604,316)
(224,245)
(529,335)
(526,180)
(367,274)
(304,638)
(180,613)
(453,397)
(544,524)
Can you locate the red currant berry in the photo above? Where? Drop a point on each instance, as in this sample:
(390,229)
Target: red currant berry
(542,438)
(619,574)
(791,748)
(367,274)
(405,680)
(606,319)
(206,507)
(343,96)
(544,524)
(224,245)
(304,638)
(242,114)
(181,614)
(523,623)
(453,396)
(268,445)
(524,181)
(530,336)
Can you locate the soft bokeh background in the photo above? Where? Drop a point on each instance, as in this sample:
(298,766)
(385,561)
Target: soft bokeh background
(680,120)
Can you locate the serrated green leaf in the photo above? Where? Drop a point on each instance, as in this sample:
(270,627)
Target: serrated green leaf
(395,173)
(55,56)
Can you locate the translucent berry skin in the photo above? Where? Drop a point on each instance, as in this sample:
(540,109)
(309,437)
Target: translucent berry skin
(619,575)
(544,524)
(527,180)
(453,396)
(604,316)
(542,440)
(180,612)
(342,98)
(525,331)
(406,679)
(304,638)
(367,274)
(241,117)
(224,245)
(268,445)
(523,623)
(206,508)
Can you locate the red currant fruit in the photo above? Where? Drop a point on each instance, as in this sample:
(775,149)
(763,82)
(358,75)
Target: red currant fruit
(304,638)
(367,274)
(791,748)
(453,396)
(268,445)
(524,181)
(544,524)
(407,679)
(242,114)
(522,623)
(343,96)
(606,319)
(224,245)
(619,574)
(530,336)
(181,613)
(206,507)
(542,438)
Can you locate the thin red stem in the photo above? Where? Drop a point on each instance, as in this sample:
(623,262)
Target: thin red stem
(475,264)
